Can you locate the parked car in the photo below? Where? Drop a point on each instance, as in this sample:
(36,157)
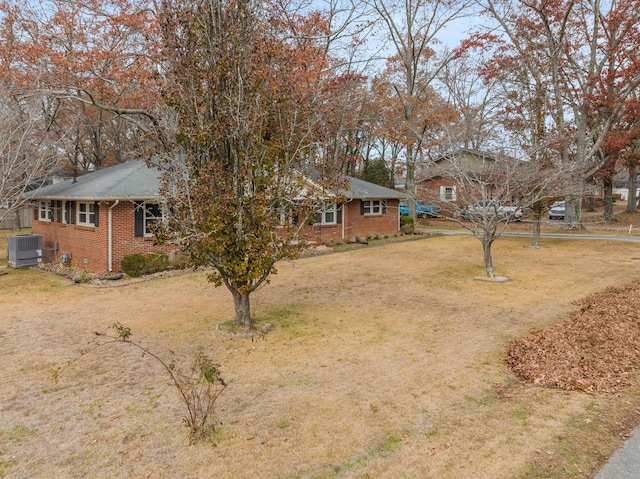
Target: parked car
(556,212)
(422,210)
(491,209)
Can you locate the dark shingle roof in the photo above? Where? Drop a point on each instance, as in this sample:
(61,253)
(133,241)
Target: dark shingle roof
(363,190)
(133,180)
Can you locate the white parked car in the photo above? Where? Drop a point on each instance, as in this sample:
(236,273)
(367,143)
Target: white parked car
(490,209)
(556,212)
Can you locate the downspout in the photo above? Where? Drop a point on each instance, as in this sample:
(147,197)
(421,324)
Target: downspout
(110,235)
(344,212)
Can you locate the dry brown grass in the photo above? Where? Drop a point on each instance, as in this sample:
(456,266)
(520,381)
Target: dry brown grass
(384,362)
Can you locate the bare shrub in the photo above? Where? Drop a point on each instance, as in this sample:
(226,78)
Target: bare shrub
(198,388)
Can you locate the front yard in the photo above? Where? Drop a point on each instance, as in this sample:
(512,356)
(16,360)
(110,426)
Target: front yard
(383,362)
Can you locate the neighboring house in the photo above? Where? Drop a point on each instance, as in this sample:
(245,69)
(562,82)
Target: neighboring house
(438,184)
(621,186)
(93,222)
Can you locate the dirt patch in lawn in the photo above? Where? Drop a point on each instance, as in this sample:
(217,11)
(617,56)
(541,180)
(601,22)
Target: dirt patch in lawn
(382,362)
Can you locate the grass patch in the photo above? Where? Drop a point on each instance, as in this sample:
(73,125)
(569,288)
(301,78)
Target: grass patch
(19,433)
(392,443)
(6,465)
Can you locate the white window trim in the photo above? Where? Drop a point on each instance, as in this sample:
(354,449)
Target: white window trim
(147,233)
(45,211)
(65,213)
(327,208)
(443,193)
(374,207)
(89,214)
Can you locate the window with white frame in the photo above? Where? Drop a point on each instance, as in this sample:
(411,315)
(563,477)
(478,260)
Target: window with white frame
(45,210)
(448,193)
(372,207)
(152,215)
(327,215)
(86,214)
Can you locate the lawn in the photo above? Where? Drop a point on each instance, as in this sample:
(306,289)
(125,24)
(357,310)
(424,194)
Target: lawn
(385,361)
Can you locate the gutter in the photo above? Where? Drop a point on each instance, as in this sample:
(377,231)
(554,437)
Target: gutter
(110,235)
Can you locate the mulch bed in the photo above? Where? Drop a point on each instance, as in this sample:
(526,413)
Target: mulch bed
(596,350)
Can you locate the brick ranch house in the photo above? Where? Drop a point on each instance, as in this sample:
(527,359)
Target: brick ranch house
(96,220)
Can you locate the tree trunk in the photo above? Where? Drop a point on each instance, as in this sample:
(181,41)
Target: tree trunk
(488,261)
(573,213)
(411,182)
(243,309)
(632,204)
(537,209)
(608,201)
(537,216)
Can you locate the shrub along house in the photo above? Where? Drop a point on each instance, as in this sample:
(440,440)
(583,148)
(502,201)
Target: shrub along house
(96,220)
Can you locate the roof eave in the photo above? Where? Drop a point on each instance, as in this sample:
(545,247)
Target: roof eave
(95,198)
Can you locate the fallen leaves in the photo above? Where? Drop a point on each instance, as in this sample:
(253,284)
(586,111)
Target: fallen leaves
(596,350)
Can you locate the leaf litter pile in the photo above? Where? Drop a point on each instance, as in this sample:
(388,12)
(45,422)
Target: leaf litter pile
(596,350)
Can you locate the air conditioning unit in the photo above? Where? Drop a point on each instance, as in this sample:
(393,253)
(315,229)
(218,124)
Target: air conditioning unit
(24,250)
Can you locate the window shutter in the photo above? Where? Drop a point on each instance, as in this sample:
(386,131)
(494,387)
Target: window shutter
(71,212)
(59,211)
(453,193)
(443,192)
(384,206)
(96,208)
(361,207)
(339,214)
(36,210)
(138,208)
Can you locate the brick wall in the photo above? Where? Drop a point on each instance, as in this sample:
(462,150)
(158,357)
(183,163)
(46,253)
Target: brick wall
(356,226)
(86,247)
(430,192)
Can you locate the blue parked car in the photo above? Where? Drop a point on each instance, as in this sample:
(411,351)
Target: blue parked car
(422,210)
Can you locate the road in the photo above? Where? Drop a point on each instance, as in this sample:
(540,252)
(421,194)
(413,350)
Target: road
(528,234)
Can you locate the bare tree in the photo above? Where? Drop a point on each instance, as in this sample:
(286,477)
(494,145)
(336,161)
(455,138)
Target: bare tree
(28,153)
(476,101)
(486,196)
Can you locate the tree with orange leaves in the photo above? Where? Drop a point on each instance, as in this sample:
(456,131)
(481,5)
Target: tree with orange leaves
(94,62)
(412,67)
(577,65)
